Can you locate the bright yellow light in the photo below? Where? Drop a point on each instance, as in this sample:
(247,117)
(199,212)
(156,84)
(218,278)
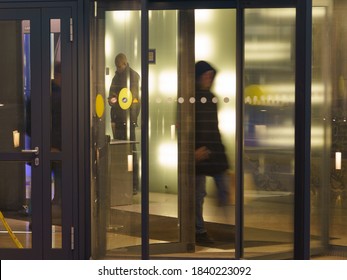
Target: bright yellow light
(121,16)
(227,121)
(202,16)
(203,47)
(168,82)
(167,154)
(338,156)
(225,83)
(108,45)
(318,12)
(279,13)
(267,51)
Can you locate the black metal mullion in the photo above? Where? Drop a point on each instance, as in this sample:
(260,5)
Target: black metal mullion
(144,132)
(302,130)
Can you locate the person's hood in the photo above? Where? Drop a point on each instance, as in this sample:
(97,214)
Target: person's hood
(201,67)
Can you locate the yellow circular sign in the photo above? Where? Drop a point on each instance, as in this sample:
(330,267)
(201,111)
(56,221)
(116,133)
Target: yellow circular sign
(125,98)
(99,105)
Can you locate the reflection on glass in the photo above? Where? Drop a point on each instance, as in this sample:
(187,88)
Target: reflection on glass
(56,83)
(56,204)
(320,143)
(15,205)
(329,106)
(26,83)
(269,130)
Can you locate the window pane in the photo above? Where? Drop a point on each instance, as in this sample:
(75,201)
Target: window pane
(15,79)
(116,93)
(55,85)
(15,205)
(269,91)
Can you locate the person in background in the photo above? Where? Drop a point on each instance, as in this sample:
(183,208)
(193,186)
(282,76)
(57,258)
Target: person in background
(210,156)
(124,112)
(125,108)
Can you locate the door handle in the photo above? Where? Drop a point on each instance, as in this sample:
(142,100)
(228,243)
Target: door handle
(35,151)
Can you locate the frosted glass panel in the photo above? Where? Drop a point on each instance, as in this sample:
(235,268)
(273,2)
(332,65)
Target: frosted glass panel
(269,91)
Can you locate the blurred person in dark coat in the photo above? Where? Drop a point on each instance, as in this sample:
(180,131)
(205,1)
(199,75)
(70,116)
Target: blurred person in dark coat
(210,156)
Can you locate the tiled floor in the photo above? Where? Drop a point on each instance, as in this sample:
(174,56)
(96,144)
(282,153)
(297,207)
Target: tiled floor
(268,229)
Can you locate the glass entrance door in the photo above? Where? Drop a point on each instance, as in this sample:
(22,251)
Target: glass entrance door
(36,134)
(164,142)
(177,39)
(272,182)
(269,102)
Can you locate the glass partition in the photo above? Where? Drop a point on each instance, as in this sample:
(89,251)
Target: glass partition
(269,102)
(162,135)
(56,129)
(215,43)
(328,133)
(171,120)
(338,123)
(116,99)
(320,130)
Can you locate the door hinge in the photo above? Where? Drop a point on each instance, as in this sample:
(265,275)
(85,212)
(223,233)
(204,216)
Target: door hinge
(71,30)
(72,238)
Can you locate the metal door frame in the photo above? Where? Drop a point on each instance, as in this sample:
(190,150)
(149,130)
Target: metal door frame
(37,13)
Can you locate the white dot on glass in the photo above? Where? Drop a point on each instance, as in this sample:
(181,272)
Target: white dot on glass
(214,99)
(180,100)
(192,100)
(226,99)
(203,100)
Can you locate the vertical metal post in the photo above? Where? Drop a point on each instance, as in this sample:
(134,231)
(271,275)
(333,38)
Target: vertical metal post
(239,133)
(144,132)
(302,129)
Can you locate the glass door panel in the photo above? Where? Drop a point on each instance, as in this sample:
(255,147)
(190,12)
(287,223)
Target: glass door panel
(17,163)
(116,99)
(58,121)
(215,43)
(321,172)
(269,103)
(35,197)
(15,210)
(164,225)
(172,56)
(328,132)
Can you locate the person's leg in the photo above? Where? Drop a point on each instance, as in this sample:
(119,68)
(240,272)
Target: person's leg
(222,183)
(113,126)
(200,193)
(201,236)
(120,131)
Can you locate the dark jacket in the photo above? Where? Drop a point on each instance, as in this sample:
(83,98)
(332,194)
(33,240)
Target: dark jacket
(130,79)
(207,134)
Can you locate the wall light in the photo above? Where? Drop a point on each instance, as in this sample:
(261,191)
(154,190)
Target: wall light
(130,163)
(338,156)
(167,154)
